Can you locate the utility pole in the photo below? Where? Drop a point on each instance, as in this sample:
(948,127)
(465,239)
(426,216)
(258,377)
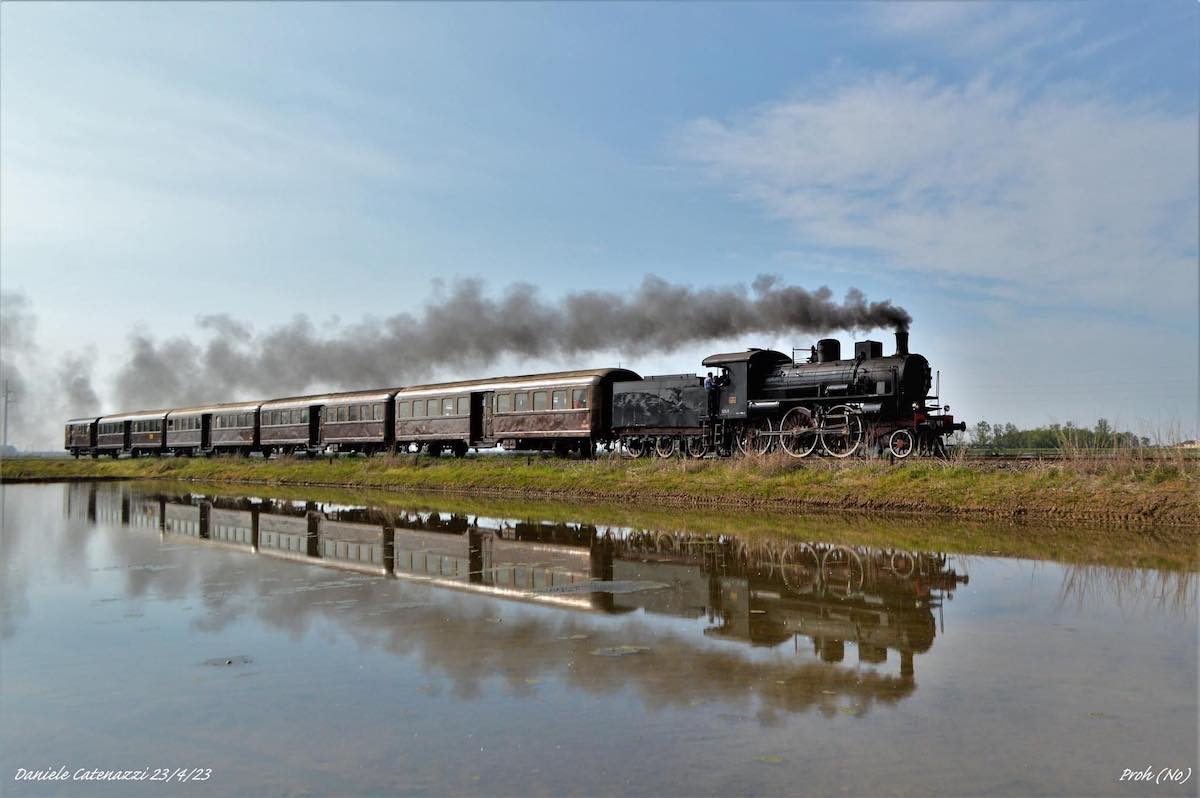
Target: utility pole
(8,397)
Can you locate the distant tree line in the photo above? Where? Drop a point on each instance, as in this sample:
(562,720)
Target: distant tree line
(1054,436)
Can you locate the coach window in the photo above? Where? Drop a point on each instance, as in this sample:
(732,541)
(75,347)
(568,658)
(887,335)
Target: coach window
(448,406)
(559,400)
(377,411)
(520,402)
(351,413)
(540,400)
(579,398)
(503,402)
(433,407)
(464,405)
(343,413)
(403,409)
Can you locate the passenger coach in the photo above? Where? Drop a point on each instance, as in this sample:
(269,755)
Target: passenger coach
(81,436)
(561,411)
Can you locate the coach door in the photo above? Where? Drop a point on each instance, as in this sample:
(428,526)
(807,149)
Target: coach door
(481,416)
(314,424)
(206,431)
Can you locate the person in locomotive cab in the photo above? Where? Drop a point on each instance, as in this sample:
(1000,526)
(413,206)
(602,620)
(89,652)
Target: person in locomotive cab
(713,393)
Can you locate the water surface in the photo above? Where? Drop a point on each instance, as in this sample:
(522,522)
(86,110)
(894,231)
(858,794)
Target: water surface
(298,646)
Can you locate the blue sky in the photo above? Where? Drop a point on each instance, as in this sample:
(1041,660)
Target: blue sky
(1021,177)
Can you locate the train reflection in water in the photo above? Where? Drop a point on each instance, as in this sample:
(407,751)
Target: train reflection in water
(757,591)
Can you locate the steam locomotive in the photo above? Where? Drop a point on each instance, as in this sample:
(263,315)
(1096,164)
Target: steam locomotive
(760,400)
(767,400)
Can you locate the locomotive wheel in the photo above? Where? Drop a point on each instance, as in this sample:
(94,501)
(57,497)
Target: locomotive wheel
(901,444)
(798,432)
(696,446)
(842,571)
(841,431)
(752,440)
(664,447)
(633,448)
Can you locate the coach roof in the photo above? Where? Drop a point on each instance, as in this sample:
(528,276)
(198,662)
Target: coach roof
(231,407)
(582,377)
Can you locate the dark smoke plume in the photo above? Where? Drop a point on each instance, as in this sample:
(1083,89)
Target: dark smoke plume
(465,329)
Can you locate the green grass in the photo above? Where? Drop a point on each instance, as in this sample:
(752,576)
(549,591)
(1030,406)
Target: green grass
(1125,491)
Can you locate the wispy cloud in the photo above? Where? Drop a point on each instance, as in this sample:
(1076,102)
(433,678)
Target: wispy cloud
(1067,192)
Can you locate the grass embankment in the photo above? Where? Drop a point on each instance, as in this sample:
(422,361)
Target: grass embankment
(1163,492)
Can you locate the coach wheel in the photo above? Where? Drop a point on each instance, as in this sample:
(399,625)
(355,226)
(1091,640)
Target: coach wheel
(798,433)
(756,437)
(901,444)
(434,450)
(459,449)
(696,446)
(841,431)
(665,446)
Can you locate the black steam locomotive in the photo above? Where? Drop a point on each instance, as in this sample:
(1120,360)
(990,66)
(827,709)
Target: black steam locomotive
(755,401)
(764,399)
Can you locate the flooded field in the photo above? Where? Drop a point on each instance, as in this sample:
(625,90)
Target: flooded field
(301,645)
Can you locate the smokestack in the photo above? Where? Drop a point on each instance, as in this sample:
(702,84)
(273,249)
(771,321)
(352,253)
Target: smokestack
(829,350)
(901,342)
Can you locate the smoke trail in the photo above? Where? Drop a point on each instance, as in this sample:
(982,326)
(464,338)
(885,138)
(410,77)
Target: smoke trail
(17,348)
(462,327)
(43,396)
(75,382)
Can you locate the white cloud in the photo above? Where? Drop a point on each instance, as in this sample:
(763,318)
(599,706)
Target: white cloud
(1081,198)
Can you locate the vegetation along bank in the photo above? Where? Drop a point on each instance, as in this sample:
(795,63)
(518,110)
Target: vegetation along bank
(1161,491)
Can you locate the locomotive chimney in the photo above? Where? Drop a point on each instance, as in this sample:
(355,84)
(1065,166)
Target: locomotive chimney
(828,350)
(901,342)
